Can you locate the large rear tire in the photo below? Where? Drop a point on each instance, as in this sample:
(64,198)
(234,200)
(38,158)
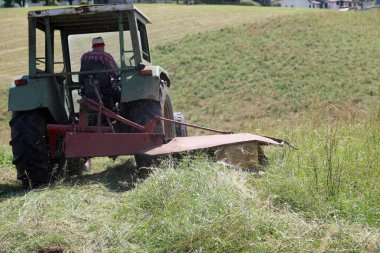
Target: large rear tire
(30,148)
(147,110)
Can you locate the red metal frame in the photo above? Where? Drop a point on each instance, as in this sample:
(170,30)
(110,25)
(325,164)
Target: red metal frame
(109,144)
(82,140)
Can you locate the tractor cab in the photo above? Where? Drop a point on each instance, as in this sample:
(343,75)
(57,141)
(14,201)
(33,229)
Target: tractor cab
(59,37)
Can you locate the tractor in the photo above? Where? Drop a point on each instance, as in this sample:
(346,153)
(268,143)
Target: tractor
(55,127)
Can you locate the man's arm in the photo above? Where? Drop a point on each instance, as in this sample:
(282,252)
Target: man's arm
(110,63)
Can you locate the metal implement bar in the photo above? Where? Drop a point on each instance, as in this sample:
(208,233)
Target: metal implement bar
(100,107)
(48,46)
(194,126)
(121,40)
(85,72)
(92,105)
(32,46)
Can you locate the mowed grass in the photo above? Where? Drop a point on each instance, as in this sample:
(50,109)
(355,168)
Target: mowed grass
(188,207)
(310,78)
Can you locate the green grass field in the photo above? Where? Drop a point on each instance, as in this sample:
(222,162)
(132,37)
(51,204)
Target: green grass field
(309,76)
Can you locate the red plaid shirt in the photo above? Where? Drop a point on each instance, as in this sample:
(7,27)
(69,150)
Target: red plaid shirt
(105,58)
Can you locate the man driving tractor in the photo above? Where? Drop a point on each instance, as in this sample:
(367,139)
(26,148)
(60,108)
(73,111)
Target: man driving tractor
(98,59)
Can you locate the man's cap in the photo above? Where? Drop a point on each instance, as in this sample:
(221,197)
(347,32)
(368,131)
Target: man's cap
(98,42)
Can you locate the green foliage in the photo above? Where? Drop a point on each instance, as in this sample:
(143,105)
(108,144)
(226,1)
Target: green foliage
(7,3)
(12,3)
(51,3)
(265,2)
(249,3)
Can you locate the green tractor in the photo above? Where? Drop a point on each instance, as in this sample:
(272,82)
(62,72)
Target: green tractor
(56,125)
(49,93)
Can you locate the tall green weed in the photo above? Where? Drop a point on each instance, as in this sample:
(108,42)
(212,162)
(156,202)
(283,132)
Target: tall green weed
(335,172)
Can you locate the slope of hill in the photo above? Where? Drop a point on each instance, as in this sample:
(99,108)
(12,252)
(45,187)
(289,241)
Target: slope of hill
(310,77)
(286,66)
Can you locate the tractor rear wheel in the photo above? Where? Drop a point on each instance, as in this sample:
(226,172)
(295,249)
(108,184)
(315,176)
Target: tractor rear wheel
(30,148)
(147,110)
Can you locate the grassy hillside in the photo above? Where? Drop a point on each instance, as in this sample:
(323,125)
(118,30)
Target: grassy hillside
(308,76)
(287,66)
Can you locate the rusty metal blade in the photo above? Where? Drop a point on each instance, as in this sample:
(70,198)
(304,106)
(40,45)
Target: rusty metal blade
(182,144)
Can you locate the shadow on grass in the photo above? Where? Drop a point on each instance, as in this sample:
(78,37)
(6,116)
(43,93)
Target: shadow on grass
(120,177)
(9,190)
